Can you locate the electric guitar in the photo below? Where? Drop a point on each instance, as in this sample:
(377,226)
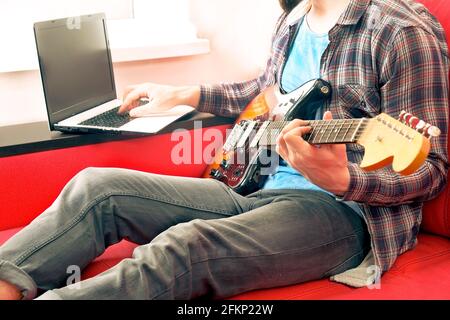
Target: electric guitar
(248,156)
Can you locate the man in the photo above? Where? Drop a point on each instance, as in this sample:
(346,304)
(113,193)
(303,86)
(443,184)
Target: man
(318,216)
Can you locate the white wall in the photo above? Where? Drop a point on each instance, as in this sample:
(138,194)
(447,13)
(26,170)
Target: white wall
(239,31)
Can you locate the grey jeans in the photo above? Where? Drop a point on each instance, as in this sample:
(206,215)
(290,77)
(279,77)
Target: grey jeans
(197,238)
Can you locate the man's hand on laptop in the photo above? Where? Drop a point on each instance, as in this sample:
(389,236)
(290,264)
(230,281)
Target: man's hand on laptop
(161,98)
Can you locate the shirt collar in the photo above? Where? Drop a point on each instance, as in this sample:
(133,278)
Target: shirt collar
(354,12)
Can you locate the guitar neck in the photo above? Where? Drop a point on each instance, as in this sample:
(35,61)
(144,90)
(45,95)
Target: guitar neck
(322,131)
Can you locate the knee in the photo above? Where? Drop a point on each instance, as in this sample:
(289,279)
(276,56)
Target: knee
(194,240)
(191,233)
(88,184)
(95,177)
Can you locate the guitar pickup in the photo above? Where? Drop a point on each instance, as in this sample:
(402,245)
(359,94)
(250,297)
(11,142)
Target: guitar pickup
(251,125)
(259,134)
(234,137)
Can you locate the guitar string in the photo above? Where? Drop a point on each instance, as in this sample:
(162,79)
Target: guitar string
(330,127)
(325,127)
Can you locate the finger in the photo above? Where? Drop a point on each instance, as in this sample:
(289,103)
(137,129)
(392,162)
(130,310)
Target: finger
(145,110)
(153,107)
(294,138)
(281,148)
(132,99)
(332,147)
(127,91)
(328,116)
(140,111)
(294,124)
(297,131)
(291,143)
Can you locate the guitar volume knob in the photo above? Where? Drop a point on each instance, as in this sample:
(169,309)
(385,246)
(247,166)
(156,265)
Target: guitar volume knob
(225,165)
(216,174)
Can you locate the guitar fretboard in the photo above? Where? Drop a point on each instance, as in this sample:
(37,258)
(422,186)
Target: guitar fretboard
(322,132)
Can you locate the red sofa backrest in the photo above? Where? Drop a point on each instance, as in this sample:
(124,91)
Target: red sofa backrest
(436,215)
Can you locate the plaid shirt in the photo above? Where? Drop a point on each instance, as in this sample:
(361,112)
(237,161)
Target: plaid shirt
(384,56)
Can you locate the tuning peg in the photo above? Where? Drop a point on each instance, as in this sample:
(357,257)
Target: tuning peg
(421,126)
(433,132)
(413,122)
(401,117)
(427,129)
(408,118)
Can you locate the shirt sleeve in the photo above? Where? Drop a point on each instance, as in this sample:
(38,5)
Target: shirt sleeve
(414,78)
(229,99)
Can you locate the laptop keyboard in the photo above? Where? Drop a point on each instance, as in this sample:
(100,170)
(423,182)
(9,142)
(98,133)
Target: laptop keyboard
(109,119)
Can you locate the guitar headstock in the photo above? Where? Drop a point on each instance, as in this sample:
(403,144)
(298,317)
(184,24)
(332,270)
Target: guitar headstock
(404,143)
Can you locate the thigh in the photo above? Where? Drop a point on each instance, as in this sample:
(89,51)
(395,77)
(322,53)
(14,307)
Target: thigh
(141,205)
(283,240)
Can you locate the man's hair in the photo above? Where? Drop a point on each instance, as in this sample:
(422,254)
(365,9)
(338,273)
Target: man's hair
(288,5)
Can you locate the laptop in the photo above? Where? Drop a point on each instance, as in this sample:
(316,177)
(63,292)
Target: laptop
(78,79)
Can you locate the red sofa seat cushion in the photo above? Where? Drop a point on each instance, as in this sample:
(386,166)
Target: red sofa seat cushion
(418,274)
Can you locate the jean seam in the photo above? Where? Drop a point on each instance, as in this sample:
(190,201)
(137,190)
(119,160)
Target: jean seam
(18,261)
(330,243)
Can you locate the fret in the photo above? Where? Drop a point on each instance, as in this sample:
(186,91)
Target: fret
(331,126)
(310,136)
(271,133)
(322,131)
(349,127)
(339,132)
(361,129)
(347,131)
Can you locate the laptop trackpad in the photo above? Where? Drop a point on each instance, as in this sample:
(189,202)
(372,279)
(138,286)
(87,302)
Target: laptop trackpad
(156,121)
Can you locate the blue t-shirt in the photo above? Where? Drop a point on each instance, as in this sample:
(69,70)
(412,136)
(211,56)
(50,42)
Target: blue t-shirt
(303,64)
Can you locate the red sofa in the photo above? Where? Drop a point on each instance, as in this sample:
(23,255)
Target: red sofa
(29,183)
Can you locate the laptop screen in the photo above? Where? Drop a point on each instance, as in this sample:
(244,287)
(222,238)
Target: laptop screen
(75,63)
